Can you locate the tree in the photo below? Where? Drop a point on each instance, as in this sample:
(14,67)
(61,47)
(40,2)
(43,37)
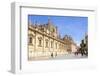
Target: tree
(83,48)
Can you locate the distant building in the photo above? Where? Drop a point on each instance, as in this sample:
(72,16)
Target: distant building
(44,41)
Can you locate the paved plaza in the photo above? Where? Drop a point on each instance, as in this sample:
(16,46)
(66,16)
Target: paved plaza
(70,56)
(60,57)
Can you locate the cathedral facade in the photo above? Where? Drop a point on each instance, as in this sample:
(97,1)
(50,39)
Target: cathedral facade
(44,41)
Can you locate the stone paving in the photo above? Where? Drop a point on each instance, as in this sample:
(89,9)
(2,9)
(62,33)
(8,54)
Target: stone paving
(68,56)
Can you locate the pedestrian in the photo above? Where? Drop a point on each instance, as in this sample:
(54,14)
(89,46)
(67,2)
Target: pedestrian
(52,55)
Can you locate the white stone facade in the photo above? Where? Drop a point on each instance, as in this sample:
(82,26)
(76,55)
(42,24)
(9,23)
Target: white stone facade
(44,41)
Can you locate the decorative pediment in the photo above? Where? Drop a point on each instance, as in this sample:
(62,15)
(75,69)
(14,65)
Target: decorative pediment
(40,38)
(46,40)
(30,35)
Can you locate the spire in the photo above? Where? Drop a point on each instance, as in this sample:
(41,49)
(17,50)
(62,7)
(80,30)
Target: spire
(56,29)
(49,21)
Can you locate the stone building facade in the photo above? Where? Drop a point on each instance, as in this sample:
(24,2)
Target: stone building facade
(44,41)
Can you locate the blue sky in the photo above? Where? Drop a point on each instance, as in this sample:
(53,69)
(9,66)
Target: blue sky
(75,26)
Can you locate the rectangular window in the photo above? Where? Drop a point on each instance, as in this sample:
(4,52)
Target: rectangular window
(30,40)
(40,42)
(46,43)
(51,44)
(56,45)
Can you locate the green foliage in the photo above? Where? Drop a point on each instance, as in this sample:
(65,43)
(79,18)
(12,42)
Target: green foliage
(83,48)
